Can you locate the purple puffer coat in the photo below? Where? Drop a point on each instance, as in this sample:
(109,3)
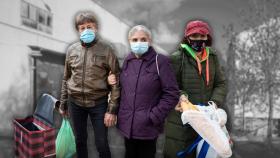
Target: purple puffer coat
(146,96)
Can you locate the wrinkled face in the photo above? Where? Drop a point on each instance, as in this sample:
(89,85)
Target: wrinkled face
(197,36)
(140,36)
(87,25)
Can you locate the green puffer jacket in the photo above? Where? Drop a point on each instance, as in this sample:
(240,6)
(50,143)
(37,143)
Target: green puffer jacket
(178,136)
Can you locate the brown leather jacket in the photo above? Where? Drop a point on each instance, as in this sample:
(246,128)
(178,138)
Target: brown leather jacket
(85,75)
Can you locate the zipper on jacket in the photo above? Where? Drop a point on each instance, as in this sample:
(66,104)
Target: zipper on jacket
(138,75)
(94,59)
(201,79)
(83,77)
(204,87)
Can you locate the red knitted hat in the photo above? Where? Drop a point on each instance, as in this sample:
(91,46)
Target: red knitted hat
(197,26)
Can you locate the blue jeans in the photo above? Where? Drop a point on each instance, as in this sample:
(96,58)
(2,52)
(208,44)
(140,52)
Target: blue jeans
(79,116)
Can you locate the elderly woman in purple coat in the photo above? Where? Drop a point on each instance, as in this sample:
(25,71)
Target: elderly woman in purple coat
(148,92)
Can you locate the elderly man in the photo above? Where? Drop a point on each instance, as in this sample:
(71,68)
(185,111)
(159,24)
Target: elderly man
(84,86)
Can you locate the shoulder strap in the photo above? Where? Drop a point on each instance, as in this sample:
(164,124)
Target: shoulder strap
(157,65)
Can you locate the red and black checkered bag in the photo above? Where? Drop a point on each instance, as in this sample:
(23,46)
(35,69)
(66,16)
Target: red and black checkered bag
(35,135)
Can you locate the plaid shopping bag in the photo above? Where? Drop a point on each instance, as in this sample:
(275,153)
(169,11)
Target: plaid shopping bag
(35,135)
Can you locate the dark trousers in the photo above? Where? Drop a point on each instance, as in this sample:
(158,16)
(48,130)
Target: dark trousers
(79,116)
(135,148)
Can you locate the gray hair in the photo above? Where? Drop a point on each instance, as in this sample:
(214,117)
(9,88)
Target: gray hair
(84,17)
(139,28)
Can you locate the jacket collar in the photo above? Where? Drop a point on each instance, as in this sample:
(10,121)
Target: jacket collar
(88,45)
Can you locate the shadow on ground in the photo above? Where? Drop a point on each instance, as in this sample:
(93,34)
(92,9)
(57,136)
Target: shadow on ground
(250,149)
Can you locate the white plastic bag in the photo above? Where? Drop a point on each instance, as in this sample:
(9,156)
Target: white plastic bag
(211,153)
(207,123)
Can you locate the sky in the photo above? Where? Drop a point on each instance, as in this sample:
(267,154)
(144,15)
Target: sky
(167,18)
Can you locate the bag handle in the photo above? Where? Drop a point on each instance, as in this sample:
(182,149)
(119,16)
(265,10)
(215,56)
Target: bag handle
(213,105)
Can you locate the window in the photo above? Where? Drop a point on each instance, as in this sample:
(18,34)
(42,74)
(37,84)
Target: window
(49,21)
(32,13)
(24,9)
(35,17)
(42,17)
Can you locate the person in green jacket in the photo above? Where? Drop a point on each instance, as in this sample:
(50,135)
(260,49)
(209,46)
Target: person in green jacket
(200,78)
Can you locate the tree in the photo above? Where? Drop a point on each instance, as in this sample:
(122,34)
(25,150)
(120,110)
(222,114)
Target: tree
(254,63)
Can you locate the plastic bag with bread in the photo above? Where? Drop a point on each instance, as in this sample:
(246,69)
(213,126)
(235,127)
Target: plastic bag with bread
(184,104)
(207,126)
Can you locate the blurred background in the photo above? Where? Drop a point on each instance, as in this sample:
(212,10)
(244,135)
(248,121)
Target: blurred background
(34,35)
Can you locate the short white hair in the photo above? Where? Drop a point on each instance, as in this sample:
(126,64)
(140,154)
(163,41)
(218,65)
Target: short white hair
(139,28)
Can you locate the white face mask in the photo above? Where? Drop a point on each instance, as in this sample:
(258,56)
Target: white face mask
(139,48)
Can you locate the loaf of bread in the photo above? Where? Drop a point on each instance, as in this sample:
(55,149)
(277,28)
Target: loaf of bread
(186,105)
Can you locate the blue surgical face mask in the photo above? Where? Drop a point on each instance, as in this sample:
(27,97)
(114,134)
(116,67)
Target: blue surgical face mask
(87,36)
(139,48)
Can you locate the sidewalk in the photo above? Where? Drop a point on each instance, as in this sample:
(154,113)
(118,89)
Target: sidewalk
(242,149)
(7,147)
(115,141)
(249,149)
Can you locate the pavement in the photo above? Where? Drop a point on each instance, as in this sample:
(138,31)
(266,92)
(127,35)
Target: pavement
(243,147)
(115,141)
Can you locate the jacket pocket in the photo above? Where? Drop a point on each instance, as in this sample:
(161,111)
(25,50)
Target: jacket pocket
(98,67)
(99,61)
(74,61)
(142,121)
